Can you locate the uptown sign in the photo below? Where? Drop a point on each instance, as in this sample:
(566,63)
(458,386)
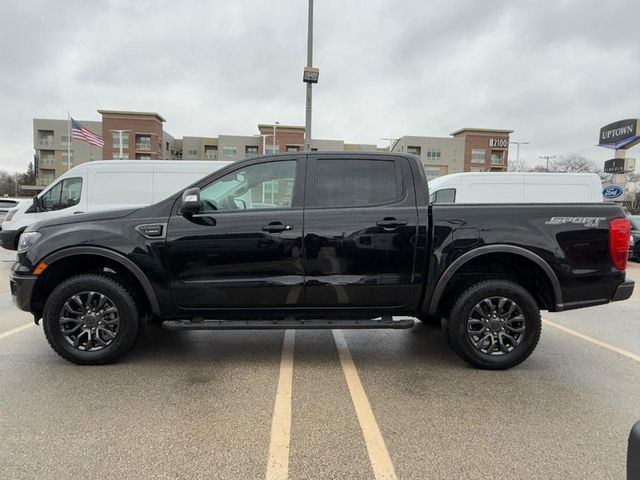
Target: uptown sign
(621,134)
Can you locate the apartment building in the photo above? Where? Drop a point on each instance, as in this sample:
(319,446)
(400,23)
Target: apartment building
(140,135)
(467,150)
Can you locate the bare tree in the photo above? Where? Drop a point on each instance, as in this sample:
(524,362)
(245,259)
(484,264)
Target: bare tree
(539,169)
(573,163)
(633,204)
(517,166)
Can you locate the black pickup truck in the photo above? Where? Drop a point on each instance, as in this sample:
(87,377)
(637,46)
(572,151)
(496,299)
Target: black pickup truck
(319,240)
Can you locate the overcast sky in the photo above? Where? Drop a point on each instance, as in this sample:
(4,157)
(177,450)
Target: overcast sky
(552,71)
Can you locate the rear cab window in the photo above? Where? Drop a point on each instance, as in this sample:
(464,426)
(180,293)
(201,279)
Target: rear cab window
(357,182)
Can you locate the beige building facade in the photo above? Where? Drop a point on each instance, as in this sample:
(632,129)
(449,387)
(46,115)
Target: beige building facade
(142,137)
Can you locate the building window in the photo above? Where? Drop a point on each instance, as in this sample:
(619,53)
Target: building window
(67,159)
(477,169)
(64,139)
(414,150)
(46,178)
(432,172)
(293,148)
(433,153)
(230,152)
(143,142)
(116,156)
(497,157)
(143,156)
(115,136)
(47,158)
(272,149)
(250,150)
(478,155)
(192,152)
(211,152)
(45,138)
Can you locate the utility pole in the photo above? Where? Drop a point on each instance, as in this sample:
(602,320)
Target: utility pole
(310,77)
(547,158)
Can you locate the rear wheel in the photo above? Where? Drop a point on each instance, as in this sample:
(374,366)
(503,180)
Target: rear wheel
(494,324)
(91,320)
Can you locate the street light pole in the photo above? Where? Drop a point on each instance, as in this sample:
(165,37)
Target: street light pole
(517,144)
(274,136)
(307,122)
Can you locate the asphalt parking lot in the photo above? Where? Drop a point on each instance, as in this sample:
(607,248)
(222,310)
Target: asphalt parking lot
(306,405)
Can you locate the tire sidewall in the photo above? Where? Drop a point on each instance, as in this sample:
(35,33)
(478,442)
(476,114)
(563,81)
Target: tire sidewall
(129,323)
(460,314)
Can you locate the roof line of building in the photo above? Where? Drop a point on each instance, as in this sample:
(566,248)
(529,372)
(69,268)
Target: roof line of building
(487,130)
(128,113)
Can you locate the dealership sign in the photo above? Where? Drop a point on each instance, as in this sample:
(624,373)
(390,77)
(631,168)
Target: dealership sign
(621,134)
(615,165)
(499,142)
(611,192)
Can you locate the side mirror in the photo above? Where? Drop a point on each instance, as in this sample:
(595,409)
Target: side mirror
(190,201)
(633,453)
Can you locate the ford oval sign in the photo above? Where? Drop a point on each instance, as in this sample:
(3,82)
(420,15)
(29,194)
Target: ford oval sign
(612,191)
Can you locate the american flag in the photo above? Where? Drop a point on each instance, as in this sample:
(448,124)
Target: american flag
(80,133)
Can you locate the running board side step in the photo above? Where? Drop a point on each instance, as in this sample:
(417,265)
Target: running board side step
(386,322)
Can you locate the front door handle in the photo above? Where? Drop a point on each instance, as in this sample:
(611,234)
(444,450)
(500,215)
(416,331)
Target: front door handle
(390,223)
(276,227)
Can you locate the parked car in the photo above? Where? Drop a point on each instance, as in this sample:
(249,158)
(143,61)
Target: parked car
(634,247)
(319,240)
(105,185)
(8,203)
(516,187)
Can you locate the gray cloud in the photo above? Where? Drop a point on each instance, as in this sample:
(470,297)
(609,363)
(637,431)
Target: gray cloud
(553,71)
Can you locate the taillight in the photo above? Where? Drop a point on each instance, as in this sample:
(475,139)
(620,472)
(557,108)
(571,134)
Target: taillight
(10,214)
(619,233)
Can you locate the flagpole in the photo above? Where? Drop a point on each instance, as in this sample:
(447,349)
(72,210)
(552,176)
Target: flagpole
(68,140)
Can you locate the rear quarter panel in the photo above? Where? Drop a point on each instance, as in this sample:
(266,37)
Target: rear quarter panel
(572,238)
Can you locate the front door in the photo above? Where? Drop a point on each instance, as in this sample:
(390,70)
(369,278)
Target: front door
(360,233)
(244,249)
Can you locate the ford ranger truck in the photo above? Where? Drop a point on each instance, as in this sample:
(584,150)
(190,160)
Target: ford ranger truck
(315,240)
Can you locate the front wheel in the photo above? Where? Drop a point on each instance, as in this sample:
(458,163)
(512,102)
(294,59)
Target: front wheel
(91,320)
(494,324)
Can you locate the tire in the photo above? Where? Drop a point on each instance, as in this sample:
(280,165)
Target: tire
(102,314)
(500,341)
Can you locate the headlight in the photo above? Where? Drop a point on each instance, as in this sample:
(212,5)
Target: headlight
(28,240)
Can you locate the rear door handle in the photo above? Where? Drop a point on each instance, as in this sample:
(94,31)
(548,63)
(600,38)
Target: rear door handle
(276,227)
(78,211)
(390,223)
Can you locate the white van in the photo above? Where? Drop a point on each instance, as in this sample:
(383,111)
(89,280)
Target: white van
(516,187)
(105,185)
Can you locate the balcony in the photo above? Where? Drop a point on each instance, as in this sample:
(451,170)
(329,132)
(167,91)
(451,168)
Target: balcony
(497,161)
(143,146)
(45,142)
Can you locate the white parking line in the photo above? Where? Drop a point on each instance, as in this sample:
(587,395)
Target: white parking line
(613,348)
(378,454)
(16,330)
(278,462)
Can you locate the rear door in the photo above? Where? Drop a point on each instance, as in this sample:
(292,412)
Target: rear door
(360,233)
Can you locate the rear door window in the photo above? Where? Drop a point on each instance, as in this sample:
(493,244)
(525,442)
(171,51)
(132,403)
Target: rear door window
(447,195)
(357,183)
